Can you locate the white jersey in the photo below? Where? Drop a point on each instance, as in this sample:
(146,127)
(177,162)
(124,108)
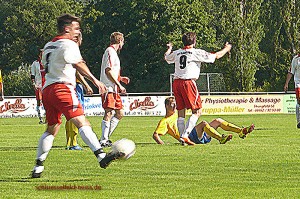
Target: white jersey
(188,62)
(58,57)
(295,70)
(36,72)
(111,60)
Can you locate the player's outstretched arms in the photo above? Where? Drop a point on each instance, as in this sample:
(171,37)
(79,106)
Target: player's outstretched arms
(225,50)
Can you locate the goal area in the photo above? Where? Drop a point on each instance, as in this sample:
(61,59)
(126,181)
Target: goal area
(207,82)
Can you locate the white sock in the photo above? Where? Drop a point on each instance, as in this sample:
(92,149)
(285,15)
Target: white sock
(113,124)
(45,144)
(38,111)
(298,113)
(191,123)
(101,156)
(89,137)
(105,125)
(180,125)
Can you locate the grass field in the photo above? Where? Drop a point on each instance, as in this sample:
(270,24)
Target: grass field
(264,165)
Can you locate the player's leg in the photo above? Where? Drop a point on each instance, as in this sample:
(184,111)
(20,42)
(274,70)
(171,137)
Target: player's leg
(71,129)
(211,129)
(192,101)
(119,112)
(44,146)
(115,121)
(180,106)
(297,90)
(71,135)
(38,96)
(90,138)
(227,126)
(105,127)
(53,116)
(181,121)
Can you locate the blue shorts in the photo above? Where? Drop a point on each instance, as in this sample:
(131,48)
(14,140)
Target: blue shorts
(194,137)
(80,94)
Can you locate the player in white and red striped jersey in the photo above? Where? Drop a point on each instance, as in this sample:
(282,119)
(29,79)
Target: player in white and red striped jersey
(110,76)
(295,70)
(37,73)
(187,70)
(61,59)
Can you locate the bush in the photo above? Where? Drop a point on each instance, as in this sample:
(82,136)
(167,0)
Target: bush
(18,82)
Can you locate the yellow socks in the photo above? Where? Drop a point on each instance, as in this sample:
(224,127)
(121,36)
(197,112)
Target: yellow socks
(212,132)
(71,134)
(230,127)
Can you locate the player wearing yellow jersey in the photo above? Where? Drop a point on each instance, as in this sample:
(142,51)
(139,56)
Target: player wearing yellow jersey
(202,133)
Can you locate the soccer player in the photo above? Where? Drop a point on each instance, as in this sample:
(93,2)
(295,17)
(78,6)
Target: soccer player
(295,70)
(187,70)
(201,133)
(61,59)
(81,84)
(110,76)
(38,80)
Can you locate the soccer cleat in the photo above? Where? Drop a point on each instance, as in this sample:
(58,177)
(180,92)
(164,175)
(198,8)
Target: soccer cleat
(186,141)
(105,143)
(78,148)
(37,171)
(225,138)
(109,158)
(41,122)
(298,125)
(246,131)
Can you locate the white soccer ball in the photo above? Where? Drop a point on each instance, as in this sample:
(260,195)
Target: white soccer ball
(125,146)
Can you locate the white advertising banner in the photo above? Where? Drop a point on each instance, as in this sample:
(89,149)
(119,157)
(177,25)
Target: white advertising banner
(241,104)
(154,105)
(19,107)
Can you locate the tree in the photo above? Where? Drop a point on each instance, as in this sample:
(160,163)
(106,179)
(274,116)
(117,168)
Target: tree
(281,43)
(148,26)
(239,22)
(26,25)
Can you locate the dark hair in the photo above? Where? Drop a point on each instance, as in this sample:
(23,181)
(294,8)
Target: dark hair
(188,38)
(116,37)
(168,99)
(65,20)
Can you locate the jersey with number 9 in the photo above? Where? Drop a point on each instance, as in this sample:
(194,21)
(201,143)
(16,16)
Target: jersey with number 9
(188,62)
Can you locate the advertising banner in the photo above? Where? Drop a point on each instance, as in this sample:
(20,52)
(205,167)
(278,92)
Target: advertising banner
(154,105)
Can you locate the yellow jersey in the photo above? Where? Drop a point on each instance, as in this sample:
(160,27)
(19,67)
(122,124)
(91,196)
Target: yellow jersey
(168,125)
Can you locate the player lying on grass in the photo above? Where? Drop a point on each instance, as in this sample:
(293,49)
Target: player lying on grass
(202,133)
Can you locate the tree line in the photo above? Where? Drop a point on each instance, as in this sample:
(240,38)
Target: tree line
(265,36)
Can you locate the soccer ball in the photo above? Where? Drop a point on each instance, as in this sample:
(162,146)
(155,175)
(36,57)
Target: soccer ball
(125,146)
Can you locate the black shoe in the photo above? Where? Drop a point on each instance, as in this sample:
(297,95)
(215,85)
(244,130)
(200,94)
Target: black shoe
(37,171)
(108,143)
(109,158)
(298,125)
(35,175)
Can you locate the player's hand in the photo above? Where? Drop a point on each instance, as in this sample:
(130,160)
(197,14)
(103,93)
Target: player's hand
(285,88)
(122,89)
(88,90)
(102,88)
(125,80)
(228,46)
(170,45)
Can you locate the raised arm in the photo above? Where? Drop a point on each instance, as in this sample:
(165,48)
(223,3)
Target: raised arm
(225,50)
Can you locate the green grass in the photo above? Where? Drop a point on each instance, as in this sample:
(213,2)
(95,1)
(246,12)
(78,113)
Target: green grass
(264,165)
